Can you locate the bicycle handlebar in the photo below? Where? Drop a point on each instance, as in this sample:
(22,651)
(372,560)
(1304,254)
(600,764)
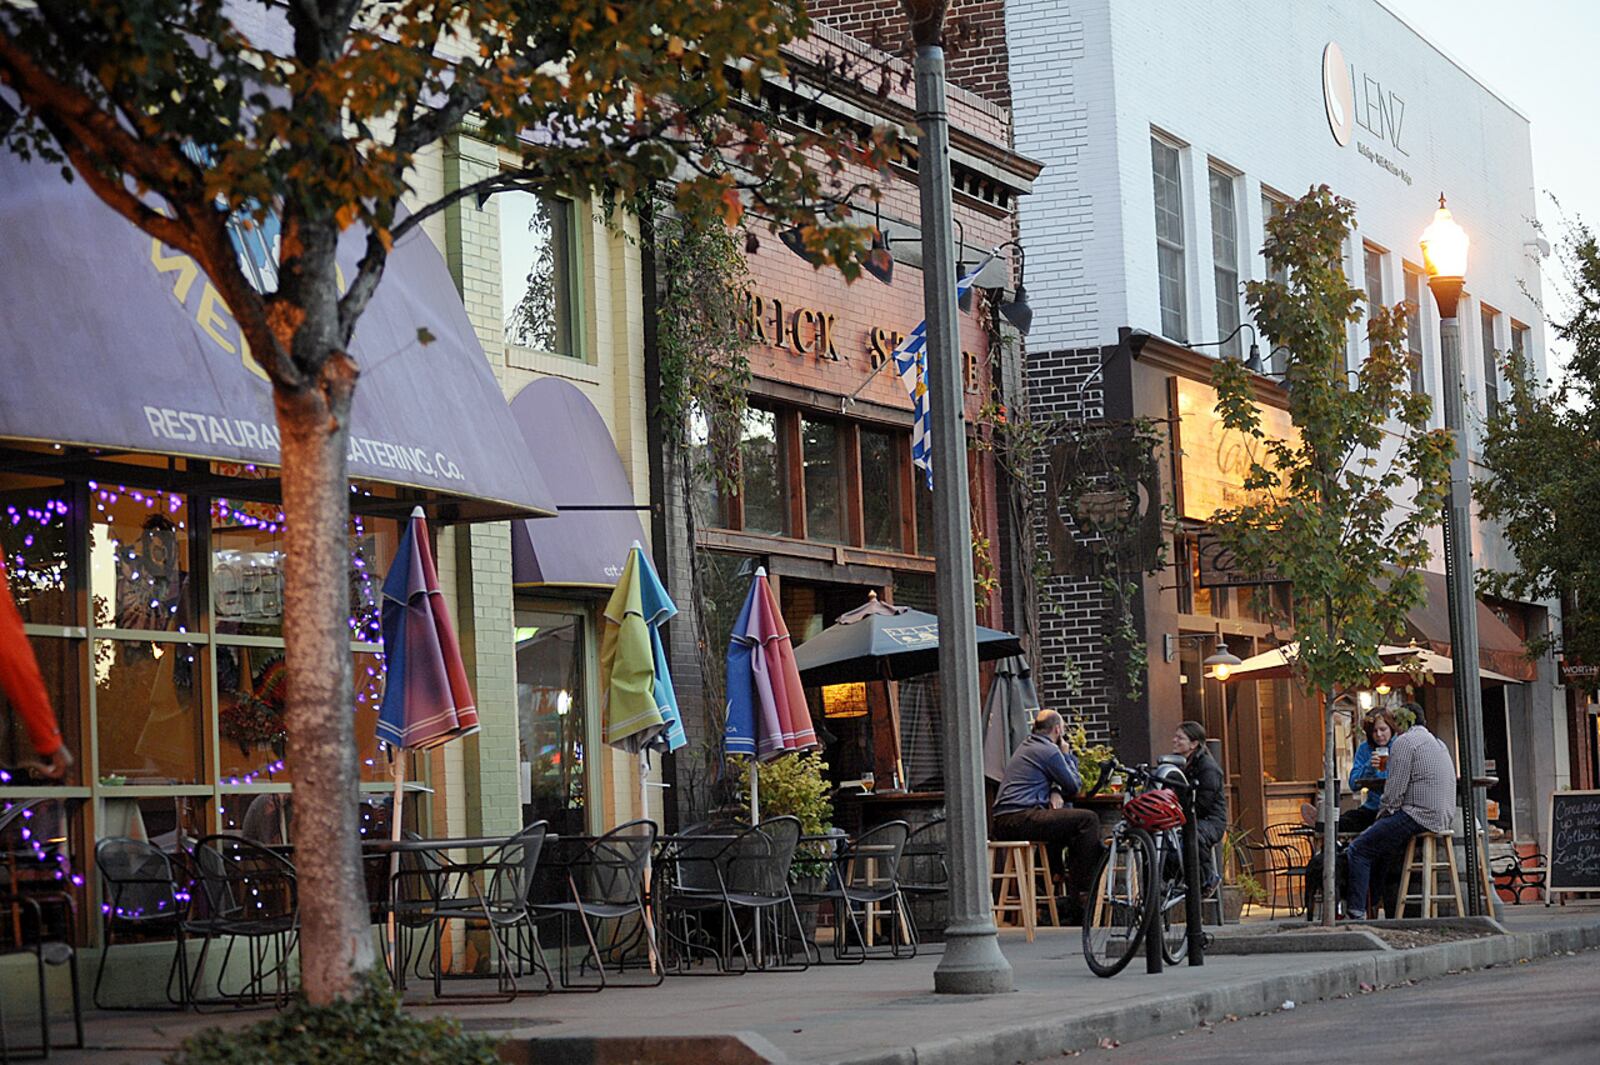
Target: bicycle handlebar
(1143,774)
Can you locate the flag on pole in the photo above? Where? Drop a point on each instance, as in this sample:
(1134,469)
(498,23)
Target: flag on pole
(911,364)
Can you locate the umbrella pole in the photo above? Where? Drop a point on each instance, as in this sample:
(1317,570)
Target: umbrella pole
(755,819)
(397,757)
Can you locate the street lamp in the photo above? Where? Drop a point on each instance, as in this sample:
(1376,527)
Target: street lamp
(1444,253)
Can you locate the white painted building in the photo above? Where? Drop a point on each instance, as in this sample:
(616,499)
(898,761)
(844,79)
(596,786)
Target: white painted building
(1168,131)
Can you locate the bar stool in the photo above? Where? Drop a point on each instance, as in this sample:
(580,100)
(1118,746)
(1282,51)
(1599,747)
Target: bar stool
(1044,889)
(1013,874)
(1428,867)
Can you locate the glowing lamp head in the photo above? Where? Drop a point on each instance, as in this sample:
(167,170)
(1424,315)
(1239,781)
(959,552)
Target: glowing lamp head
(1365,700)
(1444,245)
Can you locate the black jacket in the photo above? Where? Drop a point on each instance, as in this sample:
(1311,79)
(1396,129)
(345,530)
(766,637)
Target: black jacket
(1211,795)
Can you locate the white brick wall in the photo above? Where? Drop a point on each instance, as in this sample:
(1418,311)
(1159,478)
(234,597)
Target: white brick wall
(1241,83)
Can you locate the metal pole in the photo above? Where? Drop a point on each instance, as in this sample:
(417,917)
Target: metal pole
(1191,874)
(1461,597)
(972,963)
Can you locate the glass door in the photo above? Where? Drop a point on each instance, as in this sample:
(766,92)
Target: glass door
(553,710)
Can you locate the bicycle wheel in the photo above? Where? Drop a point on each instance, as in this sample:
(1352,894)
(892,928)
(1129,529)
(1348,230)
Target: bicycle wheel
(1173,916)
(1117,914)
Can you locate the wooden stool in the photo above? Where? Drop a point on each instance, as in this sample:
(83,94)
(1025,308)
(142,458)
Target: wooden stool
(1044,888)
(1428,867)
(1015,871)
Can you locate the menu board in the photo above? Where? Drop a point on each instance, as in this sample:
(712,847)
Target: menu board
(1574,852)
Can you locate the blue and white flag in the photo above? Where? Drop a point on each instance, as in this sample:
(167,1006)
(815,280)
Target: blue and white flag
(911,364)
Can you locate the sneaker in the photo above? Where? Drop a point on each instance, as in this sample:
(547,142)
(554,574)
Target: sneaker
(1210,889)
(1355,915)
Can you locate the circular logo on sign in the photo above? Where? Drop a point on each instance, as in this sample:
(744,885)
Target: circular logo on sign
(1338,95)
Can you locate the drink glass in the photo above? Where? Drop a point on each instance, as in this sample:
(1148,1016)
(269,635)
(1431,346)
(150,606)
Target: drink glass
(867,781)
(1380,759)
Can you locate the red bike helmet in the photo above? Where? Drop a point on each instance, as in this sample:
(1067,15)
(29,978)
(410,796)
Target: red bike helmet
(1154,811)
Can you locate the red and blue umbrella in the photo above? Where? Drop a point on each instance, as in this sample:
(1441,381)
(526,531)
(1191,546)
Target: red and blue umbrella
(767,712)
(426,698)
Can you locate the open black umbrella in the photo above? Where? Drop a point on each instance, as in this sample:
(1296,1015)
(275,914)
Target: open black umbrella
(882,642)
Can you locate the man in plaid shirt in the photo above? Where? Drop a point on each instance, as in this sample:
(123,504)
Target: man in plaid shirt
(1419,796)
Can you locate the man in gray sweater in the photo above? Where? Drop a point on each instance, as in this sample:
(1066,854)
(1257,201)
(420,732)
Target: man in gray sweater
(1419,796)
(1031,805)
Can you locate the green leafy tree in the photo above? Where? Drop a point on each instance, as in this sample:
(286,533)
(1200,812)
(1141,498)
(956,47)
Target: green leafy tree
(186,116)
(1543,456)
(1341,511)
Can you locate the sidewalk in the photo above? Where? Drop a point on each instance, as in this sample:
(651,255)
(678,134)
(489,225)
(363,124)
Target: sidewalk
(884,1012)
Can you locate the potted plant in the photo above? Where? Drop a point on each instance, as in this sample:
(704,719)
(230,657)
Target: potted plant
(1239,884)
(1092,757)
(796,786)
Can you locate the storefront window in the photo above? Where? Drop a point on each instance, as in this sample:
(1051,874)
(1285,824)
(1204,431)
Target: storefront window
(149,711)
(247,567)
(820,445)
(60,665)
(552,705)
(922,499)
(880,489)
(762,473)
(138,557)
(35,542)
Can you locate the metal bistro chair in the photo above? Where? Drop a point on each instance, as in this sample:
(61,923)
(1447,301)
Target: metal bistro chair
(688,888)
(866,881)
(605,883)
(141,896)
(491,894)
(36,917)
(1288,853)
(753,875)
(924,872)
(245,893)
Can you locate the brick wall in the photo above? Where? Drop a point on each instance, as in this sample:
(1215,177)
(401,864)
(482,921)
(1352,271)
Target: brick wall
(1072,609)
(975,38)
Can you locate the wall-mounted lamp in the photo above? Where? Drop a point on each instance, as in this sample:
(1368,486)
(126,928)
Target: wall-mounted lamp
(794,239)
(1252,361)
(1221,661)
(1017,311)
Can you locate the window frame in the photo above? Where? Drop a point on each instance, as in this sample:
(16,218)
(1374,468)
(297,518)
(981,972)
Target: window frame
(1488,318)
(1174,314)
(577,282)
(1225,276)
(1415,282)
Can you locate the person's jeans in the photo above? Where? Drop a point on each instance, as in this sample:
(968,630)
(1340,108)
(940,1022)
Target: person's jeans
(1377,846)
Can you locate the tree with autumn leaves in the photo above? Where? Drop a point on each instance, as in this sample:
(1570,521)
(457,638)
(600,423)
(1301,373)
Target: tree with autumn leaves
(186,115)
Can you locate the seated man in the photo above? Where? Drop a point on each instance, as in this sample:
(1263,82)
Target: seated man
(1418,796)
(1031,805)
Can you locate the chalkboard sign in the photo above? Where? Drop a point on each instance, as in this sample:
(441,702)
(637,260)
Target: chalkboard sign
(1574,852)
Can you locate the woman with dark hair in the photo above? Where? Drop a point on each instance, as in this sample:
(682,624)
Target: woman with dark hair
(1210,797)
(1372,763)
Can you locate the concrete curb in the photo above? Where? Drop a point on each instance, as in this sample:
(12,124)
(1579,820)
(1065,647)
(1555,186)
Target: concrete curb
(1051,1036)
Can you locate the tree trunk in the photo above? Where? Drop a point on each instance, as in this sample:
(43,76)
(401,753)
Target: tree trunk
(335,941)
(1330,801)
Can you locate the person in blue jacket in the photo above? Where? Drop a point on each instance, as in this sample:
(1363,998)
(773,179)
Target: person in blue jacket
(1380,728)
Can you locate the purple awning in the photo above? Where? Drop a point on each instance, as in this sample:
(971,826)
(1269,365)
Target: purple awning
(112,340)
(587,543)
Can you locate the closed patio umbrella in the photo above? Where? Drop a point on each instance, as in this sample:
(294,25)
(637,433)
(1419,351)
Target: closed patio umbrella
(1009,715)
(638,707)
(426,698)
(767,712)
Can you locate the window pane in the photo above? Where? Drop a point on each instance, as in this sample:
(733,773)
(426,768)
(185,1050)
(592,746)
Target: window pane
(165,822)
(824,478)
(880,489)
(60,667)
(536,240)
(247,567)
(139,559)
(149,710)
(1225,259)
(1169,237)
(704,497)
(762,474)
(922,499)
(915,590)
(551,707)
(1414,328)
(373,544)
(37,550)
(1372,270)
(1491,369)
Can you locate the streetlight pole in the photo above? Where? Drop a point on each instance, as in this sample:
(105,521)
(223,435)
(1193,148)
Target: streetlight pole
(972,963)
(1444,250)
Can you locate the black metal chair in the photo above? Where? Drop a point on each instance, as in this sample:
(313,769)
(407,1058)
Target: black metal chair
(141,896)
(687,893)
(1288,852)
(36,917)
(605,882)
(924,869)
(244,893)
(491,894)
(866,883)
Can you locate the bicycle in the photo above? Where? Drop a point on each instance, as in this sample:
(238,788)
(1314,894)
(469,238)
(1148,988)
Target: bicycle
(1145,852)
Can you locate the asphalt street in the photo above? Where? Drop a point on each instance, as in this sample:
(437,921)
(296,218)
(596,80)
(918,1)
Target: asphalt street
(1545,1012)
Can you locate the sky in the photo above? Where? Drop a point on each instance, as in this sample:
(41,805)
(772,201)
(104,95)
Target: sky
(1543,56)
